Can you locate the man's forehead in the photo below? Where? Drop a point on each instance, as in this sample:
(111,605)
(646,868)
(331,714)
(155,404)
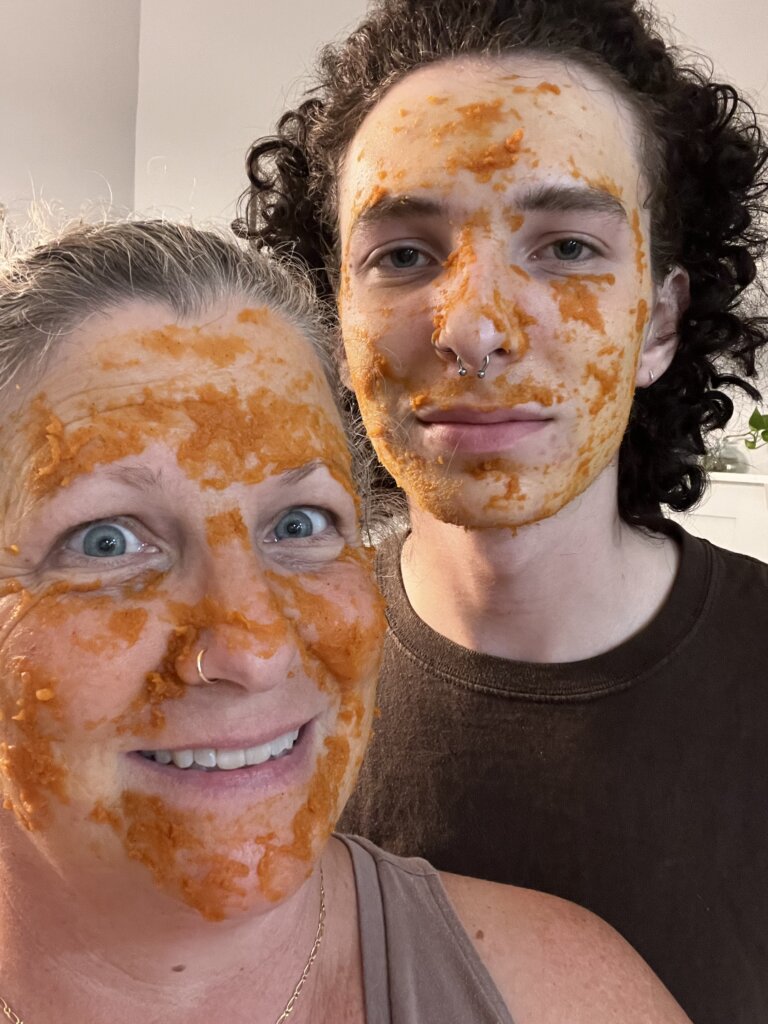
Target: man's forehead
(448,100)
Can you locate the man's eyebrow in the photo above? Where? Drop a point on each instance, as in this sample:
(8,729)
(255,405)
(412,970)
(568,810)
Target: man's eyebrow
(140,477)
(390,207)
(569,199)
(293,476)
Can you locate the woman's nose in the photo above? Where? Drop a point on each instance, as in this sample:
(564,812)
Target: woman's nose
(478,328)
(240,655)
(238,634)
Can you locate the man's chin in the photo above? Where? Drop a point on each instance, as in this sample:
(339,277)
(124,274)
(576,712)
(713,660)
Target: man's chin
(476,505)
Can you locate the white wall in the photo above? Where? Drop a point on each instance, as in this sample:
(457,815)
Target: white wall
(732,32)
(68,83)
(733,35)
(214,75)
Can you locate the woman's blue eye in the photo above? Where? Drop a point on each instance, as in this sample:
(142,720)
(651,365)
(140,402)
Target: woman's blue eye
(105,540)
(301,522)
(569,249)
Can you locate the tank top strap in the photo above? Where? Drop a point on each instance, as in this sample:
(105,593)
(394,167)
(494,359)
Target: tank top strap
(419,964)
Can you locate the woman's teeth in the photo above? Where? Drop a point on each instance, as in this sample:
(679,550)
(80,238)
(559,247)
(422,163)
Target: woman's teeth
(210,759)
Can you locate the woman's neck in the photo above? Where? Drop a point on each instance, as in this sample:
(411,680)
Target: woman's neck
(567,588)
(175,967)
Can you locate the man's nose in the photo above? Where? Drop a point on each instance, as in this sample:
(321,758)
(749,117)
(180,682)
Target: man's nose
(478,323)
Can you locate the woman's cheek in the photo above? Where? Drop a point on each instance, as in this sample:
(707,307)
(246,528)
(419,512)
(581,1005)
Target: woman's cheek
(339,621)
(70,666)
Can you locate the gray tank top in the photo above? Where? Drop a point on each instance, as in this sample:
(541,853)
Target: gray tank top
(419,965)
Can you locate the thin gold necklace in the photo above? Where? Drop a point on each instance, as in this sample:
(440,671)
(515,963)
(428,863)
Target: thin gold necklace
(14,1018)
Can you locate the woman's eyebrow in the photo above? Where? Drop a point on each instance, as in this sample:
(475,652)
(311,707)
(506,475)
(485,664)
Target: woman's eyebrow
(293,476)
(142,478)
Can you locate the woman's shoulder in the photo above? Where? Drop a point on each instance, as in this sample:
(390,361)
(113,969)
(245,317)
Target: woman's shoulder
(553,960)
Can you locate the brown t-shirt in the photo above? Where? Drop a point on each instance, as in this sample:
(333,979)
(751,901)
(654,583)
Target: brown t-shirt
(634,783)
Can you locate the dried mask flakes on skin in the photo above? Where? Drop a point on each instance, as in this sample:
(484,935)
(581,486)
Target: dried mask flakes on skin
(31,730)
(230,437)
(549,317)
(227,527)
(641,262)
(485,162)
(166,842)
(342,639)
(578,301)
(474,119)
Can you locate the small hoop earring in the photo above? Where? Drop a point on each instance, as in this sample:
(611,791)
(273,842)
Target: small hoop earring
(651,378)
(199,665)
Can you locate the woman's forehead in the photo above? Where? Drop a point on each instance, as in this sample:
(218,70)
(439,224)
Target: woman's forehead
(242,383)
(146,345)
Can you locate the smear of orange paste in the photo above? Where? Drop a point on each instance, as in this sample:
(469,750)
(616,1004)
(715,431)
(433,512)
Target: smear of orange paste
(166,841)
(640,260)
(509,321)
(226,527)
(641,319)
(484,163)
(28,763)
(177,342)
(229,438)
(577,301)
(477,119)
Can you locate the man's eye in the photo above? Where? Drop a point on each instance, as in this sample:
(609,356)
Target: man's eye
(298,523)
(405,257)
(105,540)
(569,249)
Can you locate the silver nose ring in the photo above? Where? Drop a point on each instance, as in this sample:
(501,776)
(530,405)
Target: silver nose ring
(199,664)
(463,371)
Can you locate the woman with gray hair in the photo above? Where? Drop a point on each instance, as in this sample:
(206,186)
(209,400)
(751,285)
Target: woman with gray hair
(189,643)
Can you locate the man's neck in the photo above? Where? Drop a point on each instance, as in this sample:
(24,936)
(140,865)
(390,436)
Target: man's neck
(564,589)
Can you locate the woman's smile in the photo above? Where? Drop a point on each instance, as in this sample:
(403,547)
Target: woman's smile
(262,769)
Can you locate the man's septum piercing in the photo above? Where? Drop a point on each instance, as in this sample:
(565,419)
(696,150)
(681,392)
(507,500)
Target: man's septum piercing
(463,371)
(199,664)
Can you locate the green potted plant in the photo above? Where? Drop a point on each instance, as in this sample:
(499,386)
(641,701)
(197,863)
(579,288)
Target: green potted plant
(729,457)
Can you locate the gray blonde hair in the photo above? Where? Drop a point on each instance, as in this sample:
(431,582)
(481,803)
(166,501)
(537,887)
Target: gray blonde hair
(49,290)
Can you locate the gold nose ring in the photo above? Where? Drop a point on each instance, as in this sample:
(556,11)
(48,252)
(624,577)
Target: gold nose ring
(199,663)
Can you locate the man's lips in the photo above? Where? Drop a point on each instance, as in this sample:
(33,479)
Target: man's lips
(473,416)
(472,431)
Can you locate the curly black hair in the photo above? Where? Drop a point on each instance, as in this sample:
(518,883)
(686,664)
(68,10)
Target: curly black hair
(703,150)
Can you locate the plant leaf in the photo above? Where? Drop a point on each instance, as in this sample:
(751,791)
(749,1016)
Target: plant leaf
(751,445)
(757,421)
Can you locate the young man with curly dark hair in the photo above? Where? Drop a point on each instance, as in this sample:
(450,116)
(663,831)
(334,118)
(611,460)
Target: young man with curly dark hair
(540,226)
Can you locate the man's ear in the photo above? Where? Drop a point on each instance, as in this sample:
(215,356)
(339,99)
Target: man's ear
(671,301)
